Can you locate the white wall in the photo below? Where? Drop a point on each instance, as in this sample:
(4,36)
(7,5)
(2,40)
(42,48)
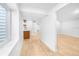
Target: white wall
(48,31)
(48,28)
(35,27)
(17,33)
(70,28)
(58,26)
(16,30)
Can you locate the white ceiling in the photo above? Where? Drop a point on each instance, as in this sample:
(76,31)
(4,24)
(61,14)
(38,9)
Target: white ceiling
(69,13)
(35,11)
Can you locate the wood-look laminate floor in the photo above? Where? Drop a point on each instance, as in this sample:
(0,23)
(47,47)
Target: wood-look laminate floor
(35,47)
(67,46)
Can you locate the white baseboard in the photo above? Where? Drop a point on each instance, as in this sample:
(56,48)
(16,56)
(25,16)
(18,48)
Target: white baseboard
(52,49)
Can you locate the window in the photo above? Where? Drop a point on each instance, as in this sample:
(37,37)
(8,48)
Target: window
(4,24)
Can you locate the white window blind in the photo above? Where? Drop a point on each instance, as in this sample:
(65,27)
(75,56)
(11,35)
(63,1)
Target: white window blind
(3,24)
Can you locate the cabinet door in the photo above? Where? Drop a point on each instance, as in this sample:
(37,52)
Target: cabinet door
(26,34)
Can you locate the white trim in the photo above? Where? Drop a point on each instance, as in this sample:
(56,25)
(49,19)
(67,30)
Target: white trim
(69,34)
(52,49)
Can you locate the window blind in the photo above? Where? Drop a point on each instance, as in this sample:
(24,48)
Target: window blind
(3,24)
